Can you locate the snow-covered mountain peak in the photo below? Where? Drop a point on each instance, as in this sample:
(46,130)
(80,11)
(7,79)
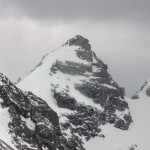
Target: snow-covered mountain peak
(76,85)
(76,49)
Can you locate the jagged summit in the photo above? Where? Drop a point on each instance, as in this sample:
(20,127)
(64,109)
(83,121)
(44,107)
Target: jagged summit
(79,40)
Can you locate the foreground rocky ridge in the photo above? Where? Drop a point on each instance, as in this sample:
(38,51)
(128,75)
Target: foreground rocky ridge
(33,125)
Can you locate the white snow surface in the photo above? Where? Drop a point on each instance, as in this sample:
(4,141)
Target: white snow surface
(29,123)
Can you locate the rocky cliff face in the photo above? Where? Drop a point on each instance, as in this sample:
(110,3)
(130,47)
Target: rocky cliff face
(96,85)
(71,96)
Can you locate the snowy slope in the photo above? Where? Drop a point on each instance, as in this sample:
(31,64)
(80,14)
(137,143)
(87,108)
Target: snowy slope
(137,136)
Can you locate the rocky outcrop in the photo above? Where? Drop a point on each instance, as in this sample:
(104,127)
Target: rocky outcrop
(65,101)
(26,110)
(135,96)
(71,68)
(79,41)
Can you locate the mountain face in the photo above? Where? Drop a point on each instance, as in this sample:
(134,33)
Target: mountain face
(77,86)
(69,101)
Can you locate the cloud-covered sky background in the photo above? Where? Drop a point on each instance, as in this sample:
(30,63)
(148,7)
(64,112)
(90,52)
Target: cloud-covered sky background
(118,30)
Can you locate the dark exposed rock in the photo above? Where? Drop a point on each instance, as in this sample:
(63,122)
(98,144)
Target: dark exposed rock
(86,121)
(123,90)
(70,68)
(79,41)
(85,55)
(135,96)
(133,147)
(148,91)
(64,101)
(120,124)
(145,84)
(124,125)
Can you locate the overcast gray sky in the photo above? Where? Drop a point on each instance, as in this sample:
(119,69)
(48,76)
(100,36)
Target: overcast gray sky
(118,30)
